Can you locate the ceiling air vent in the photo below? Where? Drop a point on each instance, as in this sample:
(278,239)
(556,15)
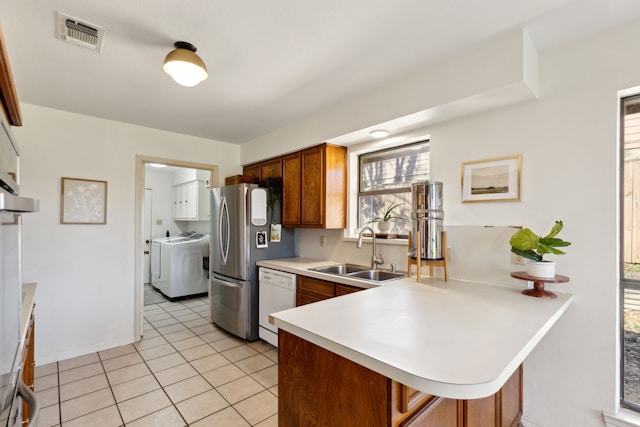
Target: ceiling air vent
(80,33)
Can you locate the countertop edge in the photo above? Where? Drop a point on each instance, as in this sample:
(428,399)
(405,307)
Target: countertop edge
(449,390)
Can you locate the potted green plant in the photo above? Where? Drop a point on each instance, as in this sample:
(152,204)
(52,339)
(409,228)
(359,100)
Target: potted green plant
(532,248)
(274,199)
(384,221)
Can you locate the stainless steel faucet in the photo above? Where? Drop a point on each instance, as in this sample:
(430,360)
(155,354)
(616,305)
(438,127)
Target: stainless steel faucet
(376,260)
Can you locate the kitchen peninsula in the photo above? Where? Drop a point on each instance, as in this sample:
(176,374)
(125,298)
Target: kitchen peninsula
(407,353)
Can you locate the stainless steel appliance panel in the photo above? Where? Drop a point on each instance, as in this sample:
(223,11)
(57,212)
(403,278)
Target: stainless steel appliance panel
(234,251)
(427,209)
(229,230)
(231,305)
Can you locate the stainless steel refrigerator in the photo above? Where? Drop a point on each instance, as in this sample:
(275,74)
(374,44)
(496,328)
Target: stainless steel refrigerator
(240,236)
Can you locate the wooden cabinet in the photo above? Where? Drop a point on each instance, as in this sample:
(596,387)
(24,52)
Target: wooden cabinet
(310,290)
(291,189)
(345,289)
(314,185)
(28,364)
(271,169)
(438,412)
(316,384)
(252,171)
(260,171)
(315,188)
(8,94)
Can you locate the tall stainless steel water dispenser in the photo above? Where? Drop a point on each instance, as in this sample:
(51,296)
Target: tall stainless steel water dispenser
(427,209)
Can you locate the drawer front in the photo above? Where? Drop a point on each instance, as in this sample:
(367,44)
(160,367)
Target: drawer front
(321,287)
(345,289)
(303,298)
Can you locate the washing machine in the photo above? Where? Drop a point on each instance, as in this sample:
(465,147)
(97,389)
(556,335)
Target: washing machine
(177,265)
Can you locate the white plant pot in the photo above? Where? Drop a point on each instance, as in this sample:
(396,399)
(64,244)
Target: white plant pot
(384,226)
(544,269)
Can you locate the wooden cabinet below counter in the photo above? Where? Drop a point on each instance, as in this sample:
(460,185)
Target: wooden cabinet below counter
(28,363)
(310,290)
(316,384)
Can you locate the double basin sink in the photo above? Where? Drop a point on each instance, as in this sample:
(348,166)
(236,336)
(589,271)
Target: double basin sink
(358,272)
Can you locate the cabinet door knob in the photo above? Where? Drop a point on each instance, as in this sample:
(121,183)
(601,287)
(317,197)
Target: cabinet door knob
(146,252)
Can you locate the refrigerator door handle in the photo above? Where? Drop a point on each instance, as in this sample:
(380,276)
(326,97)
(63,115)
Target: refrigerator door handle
(230,284)
(223,231)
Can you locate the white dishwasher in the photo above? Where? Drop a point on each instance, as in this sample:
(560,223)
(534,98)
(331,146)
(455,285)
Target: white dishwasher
(277,293)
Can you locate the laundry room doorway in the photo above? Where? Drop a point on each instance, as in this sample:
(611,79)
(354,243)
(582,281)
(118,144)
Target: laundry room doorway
(156,216)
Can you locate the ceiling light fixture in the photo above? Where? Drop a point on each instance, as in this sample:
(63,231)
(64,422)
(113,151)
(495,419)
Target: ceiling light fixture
(379,133)
(184,66)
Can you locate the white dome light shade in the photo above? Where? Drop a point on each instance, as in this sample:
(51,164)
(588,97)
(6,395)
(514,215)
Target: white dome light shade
(379,133)
(184,66)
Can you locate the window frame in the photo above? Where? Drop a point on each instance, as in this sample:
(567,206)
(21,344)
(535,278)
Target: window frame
(625,282)
(357,176)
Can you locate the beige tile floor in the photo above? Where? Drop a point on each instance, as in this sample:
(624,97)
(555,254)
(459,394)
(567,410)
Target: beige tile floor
(184,372)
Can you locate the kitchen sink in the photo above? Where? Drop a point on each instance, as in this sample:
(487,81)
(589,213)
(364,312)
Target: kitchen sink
(376,275)
(358,272)
(340,269)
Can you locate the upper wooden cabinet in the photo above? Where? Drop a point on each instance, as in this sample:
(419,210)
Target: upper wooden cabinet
(314,185)
(8,95)
(315,188)
(263,170)
(252,171)
(271,169)
(291,188)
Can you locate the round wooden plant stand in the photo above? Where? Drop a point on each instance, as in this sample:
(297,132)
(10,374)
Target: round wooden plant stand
(538,290)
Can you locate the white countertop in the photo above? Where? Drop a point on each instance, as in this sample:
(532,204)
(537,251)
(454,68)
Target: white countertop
(302,266)
(453,339)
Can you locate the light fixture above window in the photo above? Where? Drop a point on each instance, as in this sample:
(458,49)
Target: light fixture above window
(184,66)
(379,133)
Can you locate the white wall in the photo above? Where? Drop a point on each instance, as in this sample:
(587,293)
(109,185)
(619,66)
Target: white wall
(161,204)
(86,272)
(568,140)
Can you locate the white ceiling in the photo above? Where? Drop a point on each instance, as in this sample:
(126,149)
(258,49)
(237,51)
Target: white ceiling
(270,62)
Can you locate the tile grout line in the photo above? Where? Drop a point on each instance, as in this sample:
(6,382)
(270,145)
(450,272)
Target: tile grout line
(179,352)
(115,402)
(201,374)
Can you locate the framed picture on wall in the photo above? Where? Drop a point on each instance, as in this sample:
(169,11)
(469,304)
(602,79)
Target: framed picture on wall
(83,201)
(492,180)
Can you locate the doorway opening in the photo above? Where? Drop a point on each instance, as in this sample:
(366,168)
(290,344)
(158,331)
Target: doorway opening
(149,222)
